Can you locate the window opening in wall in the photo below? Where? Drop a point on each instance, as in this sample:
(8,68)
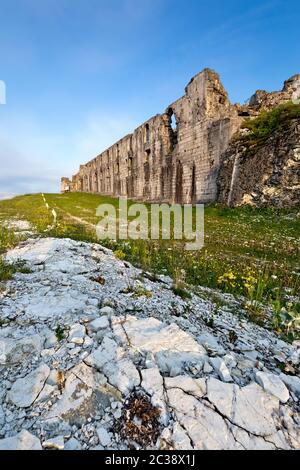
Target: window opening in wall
(130,159)
(147,133)
(173,124)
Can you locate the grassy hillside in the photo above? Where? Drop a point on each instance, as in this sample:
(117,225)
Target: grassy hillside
(268,123)
(248,252)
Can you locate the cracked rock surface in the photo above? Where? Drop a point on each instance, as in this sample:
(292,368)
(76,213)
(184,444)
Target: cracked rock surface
(75,353)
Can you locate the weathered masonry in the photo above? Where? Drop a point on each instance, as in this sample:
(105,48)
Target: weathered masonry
(174,156)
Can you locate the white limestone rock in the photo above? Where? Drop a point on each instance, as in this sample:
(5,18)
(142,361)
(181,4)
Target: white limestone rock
(46,393)
(88,375)
(109,311)
(56,443)
(25,391)
(292,382)
(271,383)
(79,401)
(295,357)
(22,441)
(111,359)
(204,427)
(106,353)
(77,334)
(171,346)
(152,346)
(16,350)
(104,437)
(72,444)
(51,341)
(2,416)
(87,342)
(53,378)
(207,368)
(123,375)
(249,407)
(221,369)
(179,438)
(99,324)
(249,441)
(152,383)
(196,387)
(211,344)
(60,305)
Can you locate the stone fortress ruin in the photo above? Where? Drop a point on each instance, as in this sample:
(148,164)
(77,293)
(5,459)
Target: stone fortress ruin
(176,156)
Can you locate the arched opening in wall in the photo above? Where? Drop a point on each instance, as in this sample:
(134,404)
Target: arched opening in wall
(147,155)
(174,122)
(178,183)
(193,187)
(96,189)
(101,181)
(173,127)
(130,161)
(147,134)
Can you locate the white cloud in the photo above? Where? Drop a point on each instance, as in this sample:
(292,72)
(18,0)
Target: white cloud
(6,195)
(33,159)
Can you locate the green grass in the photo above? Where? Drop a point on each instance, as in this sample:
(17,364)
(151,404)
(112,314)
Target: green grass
(248,252)
(29,207)
(7,270)
(268,123)
(183,293)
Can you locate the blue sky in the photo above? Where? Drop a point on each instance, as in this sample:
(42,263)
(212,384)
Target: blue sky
(80,74)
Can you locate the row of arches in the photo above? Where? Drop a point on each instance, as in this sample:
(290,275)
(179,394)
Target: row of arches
(191,189)
(175,184)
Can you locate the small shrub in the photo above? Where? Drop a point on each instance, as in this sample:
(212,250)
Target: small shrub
(140,291)
(140,421)
(60,333)
(233,337)
(184,294)
(120,254)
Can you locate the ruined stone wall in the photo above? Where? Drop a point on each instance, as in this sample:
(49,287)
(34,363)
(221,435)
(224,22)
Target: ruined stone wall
(268,177)
(175,156)
(66,185)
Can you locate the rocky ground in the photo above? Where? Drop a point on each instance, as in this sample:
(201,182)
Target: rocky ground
(95,354)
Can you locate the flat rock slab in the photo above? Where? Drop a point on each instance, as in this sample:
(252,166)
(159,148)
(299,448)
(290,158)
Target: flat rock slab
(216,415)
(272,384)
(22,441)
(249,407)
(170,346)
(80,402)
(26,390)
(16,350)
